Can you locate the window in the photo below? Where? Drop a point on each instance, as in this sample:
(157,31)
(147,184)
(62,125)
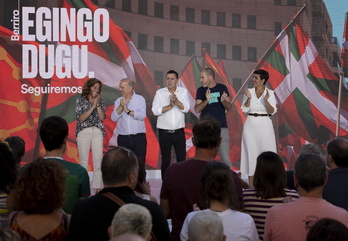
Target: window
(277,2)
(190,48)
(221,51)
(110,4)
(205,18)
(127,5)
(236,21)
(252,54)
(277,28)
(291,2)
(237,53)
(129,34)
(174,46)
(174,12)
(142,41)
(251,22)
(158,10)
(221,19)
(158,75)
(158,44)
(237,83)
(206,46)
(190,15)
(142,7)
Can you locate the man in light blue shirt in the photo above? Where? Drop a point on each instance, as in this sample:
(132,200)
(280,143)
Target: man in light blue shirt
(130,112)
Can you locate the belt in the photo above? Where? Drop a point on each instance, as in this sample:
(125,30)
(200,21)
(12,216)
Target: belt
(132,135)
(172,131)
(257,114)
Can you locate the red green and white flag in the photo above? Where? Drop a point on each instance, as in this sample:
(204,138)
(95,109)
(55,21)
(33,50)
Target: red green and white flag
(189,79)
(303,85)
(344,55)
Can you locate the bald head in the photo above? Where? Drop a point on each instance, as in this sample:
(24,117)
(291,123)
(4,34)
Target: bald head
(337,148)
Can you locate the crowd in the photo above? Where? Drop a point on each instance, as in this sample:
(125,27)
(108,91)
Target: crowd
(50,199)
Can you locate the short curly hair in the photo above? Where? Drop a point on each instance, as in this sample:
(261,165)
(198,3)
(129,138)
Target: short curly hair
(40,187)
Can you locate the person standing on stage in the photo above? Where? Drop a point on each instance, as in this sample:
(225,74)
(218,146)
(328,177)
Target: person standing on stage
(90,113)
(258,134)
(212,99)
(170,105)
(130,112)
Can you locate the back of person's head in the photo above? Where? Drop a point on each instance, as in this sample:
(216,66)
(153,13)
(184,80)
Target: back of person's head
(17,145)
(206,134)
(53,132)
(338,149)
(8,170)
(270,177)
(206,226)
(132,218)
(7,234)
(40,187)
(128,237)
(117,164)
(310,171)
(217,183)
(310,148)
(328,229)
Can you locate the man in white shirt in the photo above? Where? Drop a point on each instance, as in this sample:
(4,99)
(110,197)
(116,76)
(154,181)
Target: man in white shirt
(170,105)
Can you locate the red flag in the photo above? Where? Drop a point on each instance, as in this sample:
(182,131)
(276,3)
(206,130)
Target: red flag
(344,55)
(301,81)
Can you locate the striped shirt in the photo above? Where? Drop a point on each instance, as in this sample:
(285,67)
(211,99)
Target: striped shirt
(258,208)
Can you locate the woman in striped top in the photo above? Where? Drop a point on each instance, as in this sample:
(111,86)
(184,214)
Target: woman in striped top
(269,182)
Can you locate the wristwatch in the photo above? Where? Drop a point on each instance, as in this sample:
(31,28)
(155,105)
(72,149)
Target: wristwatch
(129,111)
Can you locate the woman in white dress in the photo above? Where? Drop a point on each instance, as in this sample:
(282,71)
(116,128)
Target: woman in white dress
(218,187)
(258,134)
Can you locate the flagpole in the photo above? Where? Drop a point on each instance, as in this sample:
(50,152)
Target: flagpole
(304,7)
(339,104)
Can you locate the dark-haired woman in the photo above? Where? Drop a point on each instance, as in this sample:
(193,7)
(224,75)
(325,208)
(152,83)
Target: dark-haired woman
(90,113)
(269,183)
(218,187)
(258,135)
(39,197)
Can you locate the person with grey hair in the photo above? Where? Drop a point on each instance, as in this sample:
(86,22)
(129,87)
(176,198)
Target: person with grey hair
(336,191)
(130,112)
(206,226)
(292,221)
(132,218)
(92,217)
(128,237)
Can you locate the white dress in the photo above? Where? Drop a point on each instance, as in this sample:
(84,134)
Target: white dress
(258,133)
(237,225)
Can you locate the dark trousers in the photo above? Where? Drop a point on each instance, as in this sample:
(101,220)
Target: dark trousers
(167,140)
(136,143)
